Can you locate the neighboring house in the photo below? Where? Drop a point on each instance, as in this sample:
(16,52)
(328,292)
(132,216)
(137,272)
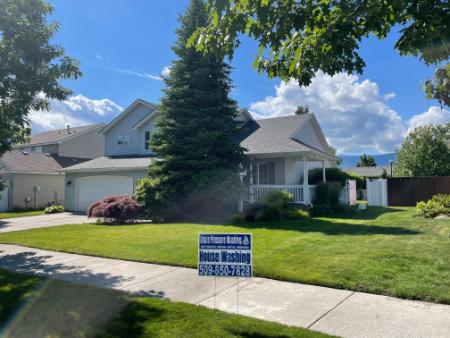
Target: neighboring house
(280,151)
(31,171)
(369,172)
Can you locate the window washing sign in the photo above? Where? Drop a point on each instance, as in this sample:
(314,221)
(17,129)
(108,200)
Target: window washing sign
(225,255)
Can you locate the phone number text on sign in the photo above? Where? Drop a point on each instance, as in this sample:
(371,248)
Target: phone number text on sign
(225,255)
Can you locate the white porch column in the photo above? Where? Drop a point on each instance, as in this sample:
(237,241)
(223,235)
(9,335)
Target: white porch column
(305,181)
(251,197)
(324,177)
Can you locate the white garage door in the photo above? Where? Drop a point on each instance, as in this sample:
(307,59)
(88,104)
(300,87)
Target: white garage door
(94,188)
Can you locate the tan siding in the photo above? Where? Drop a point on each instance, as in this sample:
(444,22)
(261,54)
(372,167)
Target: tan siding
(87,145)
(52,189)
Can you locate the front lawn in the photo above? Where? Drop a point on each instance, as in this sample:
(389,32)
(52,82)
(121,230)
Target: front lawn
(39,307)
(20,213)
(385,251)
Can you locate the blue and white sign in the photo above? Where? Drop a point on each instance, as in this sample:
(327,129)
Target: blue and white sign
(225,255)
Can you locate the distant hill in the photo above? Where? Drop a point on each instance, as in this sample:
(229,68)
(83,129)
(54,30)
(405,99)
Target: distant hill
(349,161)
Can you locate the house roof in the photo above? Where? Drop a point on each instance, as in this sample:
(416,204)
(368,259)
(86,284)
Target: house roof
(367,171)
(57,136)
(20,161)
(112,164)
(274,135)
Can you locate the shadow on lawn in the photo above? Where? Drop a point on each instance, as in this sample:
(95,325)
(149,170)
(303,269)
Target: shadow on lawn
(333,228)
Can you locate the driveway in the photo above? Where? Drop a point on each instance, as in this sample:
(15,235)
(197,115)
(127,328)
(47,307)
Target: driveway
(42,221)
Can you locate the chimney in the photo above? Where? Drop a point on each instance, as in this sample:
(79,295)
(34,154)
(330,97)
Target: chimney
(68,128)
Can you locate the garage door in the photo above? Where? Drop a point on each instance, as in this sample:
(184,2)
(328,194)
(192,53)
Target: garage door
(94,188)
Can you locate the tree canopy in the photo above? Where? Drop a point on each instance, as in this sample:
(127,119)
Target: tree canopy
(30,66)
(366,161)
(425,152)
(298,38)
(194,140)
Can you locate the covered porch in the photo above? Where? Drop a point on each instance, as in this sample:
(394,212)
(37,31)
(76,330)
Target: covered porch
(286,172)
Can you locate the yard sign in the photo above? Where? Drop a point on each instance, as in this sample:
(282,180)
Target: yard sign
(225,255)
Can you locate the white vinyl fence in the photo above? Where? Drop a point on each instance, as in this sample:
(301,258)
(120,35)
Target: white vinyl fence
(377,192)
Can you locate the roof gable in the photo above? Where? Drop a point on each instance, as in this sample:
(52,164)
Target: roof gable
(127,111)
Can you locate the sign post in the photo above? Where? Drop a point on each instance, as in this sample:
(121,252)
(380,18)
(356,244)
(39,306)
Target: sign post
(225,255)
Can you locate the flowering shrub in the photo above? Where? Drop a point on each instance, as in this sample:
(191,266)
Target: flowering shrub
(54,209)
(120,209)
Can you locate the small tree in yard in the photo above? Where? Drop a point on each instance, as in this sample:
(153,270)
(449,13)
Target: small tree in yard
(194,137)
(121,209)
(424,152)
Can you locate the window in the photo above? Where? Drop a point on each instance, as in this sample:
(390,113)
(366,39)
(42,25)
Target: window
(123,139)
(37,149)
(265,173)
(147,140)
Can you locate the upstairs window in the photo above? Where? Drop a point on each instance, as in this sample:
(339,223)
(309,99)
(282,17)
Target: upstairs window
(123,139)
(148,136)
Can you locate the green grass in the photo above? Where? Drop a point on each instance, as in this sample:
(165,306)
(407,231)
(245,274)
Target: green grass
(20,213)
(39,307)
(384,251)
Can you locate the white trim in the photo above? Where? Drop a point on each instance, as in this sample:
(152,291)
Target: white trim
(146,119)
(123,114)
(104,169)
(35,173)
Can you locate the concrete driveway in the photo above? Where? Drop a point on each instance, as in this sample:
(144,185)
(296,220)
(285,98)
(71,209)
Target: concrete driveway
(42,221)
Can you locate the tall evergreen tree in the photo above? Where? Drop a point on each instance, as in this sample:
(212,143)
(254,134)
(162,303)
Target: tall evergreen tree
(194,137)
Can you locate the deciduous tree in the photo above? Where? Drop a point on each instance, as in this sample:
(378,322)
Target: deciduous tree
(298,38)
(30,66)
(425,152)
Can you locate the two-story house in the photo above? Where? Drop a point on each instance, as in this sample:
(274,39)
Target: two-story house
(31,171)
(281,152)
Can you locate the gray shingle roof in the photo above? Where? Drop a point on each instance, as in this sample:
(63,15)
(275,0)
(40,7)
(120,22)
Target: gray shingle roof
(113,163)
(272,135)
(55,136)
(19,161)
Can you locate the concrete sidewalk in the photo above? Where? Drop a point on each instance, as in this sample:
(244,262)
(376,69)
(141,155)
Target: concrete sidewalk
(337,312)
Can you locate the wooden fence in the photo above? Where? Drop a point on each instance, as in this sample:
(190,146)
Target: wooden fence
(407,191)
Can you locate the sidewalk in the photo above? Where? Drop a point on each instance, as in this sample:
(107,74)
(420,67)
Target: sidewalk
(337,312)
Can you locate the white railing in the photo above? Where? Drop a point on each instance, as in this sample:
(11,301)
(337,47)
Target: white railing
(256,191)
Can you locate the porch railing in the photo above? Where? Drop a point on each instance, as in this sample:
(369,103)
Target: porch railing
(256,191)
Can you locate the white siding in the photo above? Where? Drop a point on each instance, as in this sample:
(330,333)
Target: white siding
(308,135)
(125,127)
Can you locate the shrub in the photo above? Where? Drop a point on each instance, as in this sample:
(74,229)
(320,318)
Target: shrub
(438,205)
(274,205)
(296,213)
(335,175)
(54,209)
(326,200)
(209,195)
(120,209)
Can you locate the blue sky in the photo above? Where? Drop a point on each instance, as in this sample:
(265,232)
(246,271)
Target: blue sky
(124,46)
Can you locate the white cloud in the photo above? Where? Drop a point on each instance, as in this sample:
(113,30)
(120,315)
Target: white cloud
(354,115)
(141,75)
(165,71)
(76,110)
(434,115)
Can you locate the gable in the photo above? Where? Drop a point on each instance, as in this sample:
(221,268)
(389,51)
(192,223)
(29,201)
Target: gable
(311,135)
